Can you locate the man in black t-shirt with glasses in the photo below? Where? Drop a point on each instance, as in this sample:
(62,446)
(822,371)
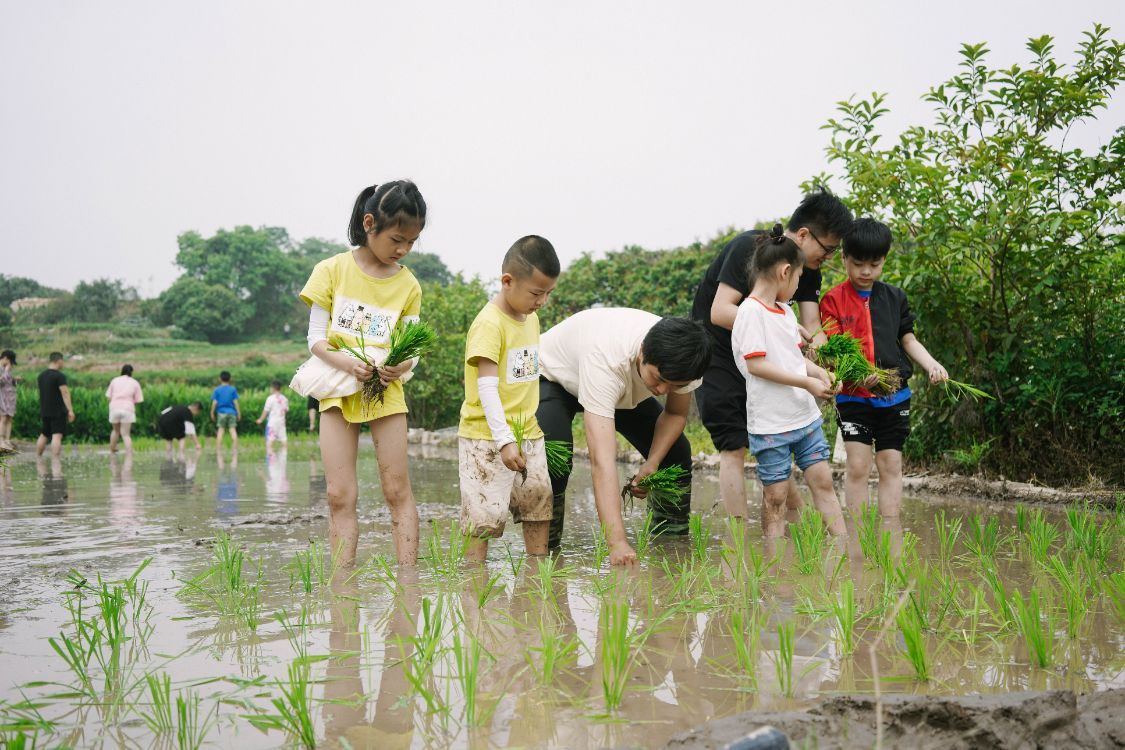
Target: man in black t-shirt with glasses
(817,226)
(55,408)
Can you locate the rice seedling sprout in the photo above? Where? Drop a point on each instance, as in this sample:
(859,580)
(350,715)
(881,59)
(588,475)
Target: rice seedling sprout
(783,658)
(1038,635)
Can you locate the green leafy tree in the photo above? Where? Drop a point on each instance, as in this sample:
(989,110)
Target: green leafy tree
(1010,245)
(428,267)
(253,264)
(204,311)
(660,281)
(13,288)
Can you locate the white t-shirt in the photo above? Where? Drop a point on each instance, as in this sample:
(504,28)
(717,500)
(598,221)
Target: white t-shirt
(276,407)
(592,354)
(761,331)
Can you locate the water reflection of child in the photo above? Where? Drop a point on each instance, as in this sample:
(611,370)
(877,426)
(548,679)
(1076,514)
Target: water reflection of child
(226,488)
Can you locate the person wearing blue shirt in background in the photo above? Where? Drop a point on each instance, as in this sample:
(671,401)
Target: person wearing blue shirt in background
(224,410)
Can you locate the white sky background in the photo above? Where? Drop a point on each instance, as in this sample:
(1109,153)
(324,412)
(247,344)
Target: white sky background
(595,124)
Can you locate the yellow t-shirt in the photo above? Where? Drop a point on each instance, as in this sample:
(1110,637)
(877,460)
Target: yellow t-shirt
(514,346)
(359,302)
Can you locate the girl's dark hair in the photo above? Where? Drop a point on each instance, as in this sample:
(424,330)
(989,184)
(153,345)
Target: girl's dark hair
(771,248)
(390,204)
(9,355)
(127,370)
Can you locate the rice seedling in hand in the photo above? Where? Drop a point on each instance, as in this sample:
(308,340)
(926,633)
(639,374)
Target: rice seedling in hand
(842,354)
(408,340)
(1038,635)
(520,424)
(783,659)
(955,390)
(911,626)
(560,457)
(664,487)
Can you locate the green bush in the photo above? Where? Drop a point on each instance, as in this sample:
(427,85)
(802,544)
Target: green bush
(1009,243)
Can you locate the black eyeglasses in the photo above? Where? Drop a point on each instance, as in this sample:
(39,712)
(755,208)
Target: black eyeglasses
(827,250)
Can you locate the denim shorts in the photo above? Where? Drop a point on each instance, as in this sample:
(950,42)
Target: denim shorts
(775,453)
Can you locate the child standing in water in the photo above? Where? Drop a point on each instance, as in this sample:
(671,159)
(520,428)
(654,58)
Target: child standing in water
(498,473)
(274,412)
(385,223)
(782,387)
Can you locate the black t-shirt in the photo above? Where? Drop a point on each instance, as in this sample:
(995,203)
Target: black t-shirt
(732,267)
(172,420)
(51,402)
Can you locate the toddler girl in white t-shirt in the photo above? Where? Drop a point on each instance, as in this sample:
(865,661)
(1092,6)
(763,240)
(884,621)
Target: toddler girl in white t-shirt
(782,386)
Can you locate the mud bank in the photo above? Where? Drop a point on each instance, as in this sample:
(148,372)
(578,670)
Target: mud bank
(1056,718)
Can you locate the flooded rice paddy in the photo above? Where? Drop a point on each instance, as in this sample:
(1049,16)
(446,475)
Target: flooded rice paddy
(237,632)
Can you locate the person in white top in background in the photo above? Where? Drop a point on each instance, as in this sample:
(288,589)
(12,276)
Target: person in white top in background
(274,412)
(124,393)
(783,420)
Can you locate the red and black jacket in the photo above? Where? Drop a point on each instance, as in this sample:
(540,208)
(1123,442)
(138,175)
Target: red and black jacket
(879,322)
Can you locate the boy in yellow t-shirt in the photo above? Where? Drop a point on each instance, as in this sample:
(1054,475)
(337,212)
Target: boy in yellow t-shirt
(502,385)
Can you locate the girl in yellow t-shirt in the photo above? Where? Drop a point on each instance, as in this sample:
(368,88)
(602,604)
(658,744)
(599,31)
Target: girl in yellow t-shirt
(366,290)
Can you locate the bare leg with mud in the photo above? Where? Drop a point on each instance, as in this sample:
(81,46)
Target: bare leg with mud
(819,478)
(339,448)
(889,463)
(389,437)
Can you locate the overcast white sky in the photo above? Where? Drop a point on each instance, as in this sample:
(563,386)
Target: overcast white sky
(595,124)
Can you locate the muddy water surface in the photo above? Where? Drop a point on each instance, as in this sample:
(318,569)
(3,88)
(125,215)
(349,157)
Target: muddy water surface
(378,682)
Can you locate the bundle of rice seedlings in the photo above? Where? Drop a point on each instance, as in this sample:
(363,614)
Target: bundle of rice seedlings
(956,390)
(559,455)
(843,355)
(408,340)
(664,486)
(520,423)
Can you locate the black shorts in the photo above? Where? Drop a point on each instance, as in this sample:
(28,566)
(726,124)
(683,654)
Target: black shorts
(174,431)
(885,426)
(313,404)
(722,402)
(53,426)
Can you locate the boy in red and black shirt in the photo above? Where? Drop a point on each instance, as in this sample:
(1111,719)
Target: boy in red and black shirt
(879,316)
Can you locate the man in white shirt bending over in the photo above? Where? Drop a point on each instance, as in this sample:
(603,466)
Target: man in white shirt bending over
(610,364)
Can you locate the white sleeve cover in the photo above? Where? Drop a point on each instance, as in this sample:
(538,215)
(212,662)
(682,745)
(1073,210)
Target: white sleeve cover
(488,388)
(318,325)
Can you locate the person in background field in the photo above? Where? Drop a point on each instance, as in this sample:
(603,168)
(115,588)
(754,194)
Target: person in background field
(501,385)
(8,383)
(225,411)
(274,412)
(178,423)
(783,419)
(123,393)
(879,316)
(367,290)
(610,364)
(314,408)
(55,407)
(817,226)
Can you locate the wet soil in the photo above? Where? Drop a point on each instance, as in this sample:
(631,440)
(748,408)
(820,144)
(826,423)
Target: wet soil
(1012,721)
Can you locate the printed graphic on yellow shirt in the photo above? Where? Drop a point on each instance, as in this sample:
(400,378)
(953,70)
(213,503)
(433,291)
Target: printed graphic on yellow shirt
(352,316)
(523,364)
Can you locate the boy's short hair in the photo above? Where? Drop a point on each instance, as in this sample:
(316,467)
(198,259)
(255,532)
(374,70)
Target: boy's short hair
(869,240)
(224,376)
(529,254)
(197,405)
(823,213)
(679,348)
(276,384)
(55,357)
